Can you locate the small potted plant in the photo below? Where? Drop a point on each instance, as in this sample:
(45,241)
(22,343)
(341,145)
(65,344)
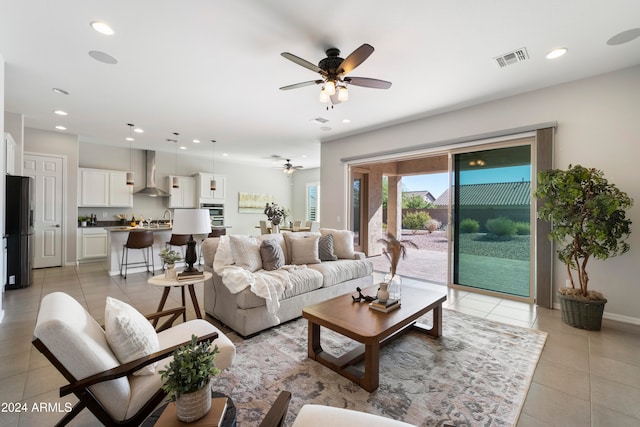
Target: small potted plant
(169,258)
(188,379)
(82,220)
(588,220)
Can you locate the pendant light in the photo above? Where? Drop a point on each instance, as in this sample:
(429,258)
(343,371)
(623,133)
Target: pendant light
(213,154)
(175,182)
(130,139)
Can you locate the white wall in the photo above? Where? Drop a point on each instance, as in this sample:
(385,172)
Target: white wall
(598,126)
(239,178)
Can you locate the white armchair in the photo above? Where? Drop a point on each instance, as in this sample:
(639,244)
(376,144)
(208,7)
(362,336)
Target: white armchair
(77,346)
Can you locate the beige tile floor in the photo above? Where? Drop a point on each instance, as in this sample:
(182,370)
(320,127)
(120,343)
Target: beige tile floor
(583,378)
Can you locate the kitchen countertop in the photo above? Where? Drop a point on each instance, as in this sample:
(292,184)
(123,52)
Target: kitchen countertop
(128,228)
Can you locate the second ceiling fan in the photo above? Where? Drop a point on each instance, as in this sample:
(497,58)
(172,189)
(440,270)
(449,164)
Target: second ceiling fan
(333,71)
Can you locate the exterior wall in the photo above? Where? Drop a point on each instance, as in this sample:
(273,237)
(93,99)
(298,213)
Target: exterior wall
(598,126)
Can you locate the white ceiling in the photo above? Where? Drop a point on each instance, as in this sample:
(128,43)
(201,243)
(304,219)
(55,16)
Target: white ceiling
(211,69)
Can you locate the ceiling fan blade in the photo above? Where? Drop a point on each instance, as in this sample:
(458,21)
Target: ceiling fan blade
(303,62)
(303,84)
(356,58)
(367,82)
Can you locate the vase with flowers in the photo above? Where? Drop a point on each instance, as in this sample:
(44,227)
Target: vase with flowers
(275,214)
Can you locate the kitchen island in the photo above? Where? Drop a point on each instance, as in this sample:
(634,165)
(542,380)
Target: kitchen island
(118,237)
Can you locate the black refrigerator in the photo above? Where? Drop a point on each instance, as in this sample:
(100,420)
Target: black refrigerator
(19,231)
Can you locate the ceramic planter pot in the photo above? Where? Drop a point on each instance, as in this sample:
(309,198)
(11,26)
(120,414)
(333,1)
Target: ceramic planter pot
(195,405)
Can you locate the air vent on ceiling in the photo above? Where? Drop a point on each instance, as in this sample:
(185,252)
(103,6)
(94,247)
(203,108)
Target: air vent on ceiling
(319,120)
(510,58)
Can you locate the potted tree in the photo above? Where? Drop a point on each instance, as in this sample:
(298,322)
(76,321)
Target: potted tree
(588,220)
(188,379)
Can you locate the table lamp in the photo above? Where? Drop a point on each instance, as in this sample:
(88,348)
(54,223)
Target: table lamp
(191,221)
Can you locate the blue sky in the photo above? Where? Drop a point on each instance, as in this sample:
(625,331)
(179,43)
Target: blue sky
(437,183)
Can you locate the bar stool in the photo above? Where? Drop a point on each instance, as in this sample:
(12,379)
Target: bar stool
(138,240)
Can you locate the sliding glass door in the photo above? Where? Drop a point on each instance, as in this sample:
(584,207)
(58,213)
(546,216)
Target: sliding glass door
(492,215)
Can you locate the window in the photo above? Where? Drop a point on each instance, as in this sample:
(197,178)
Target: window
(312,208)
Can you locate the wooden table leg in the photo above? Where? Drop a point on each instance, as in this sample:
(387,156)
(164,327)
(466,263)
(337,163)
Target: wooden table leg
(371,377)
(163,300)
(436,329)
(194,300)
(314,340)
(184,314)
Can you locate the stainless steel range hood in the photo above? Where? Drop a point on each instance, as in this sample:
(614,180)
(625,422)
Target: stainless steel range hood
(151,190)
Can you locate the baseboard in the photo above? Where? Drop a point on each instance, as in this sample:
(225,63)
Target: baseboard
(611,316)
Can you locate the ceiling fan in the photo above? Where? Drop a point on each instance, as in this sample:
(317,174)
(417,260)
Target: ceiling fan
(288,168)
(333,71)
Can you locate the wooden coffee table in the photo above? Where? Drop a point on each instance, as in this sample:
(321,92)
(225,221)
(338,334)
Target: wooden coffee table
(371,328)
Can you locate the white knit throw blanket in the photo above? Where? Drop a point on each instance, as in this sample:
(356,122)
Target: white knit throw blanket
(269,285)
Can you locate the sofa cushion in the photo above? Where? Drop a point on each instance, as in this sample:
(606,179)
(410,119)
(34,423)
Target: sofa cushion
(245,251)
(342,270)
(302,280)
(129,334)
(271,254)
(277,238)
(305,250)
(342,241)
(326,250)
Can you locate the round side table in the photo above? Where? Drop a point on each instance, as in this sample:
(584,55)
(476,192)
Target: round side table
(160,280)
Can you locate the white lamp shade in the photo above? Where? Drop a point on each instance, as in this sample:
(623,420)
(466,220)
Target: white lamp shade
(191,221)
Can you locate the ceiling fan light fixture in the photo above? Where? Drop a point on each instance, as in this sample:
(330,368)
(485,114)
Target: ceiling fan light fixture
(343,94)
(330,87)
(324,96)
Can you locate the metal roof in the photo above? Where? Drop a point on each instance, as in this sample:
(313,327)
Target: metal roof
(495,194)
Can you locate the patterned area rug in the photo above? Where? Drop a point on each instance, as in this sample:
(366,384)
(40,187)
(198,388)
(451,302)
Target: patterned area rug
(477,374)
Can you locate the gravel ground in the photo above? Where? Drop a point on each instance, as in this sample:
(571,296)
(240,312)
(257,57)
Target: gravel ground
(473,244)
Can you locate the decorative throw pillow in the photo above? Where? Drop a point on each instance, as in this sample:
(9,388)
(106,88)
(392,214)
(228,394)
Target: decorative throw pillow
(325,248)
(245,251)
(305,250)
(129,334)
(271,254)
(342,242)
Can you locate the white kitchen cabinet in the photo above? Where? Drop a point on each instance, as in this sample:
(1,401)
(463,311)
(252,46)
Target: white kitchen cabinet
(94,187)
(185,195)
(205,195)
(104,188)
(120,194)
(93,243)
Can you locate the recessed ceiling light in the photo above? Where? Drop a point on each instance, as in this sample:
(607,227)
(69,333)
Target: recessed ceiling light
(346,120)
(557,53)
(129,139)
(196,141)
(182,147)
(60,127)
(60,112)
(103,57)
(225,155)
(60,91)
(138,130)
(102,28)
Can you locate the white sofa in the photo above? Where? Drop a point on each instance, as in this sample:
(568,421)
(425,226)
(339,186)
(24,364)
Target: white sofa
(249,299)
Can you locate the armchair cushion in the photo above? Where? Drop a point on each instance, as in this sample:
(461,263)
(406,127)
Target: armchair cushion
(129,334)
(320,415)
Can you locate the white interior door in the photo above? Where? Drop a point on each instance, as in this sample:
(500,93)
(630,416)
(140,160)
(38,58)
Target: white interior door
(46,172)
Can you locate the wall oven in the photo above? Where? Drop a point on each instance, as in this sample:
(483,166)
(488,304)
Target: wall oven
(216,213)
